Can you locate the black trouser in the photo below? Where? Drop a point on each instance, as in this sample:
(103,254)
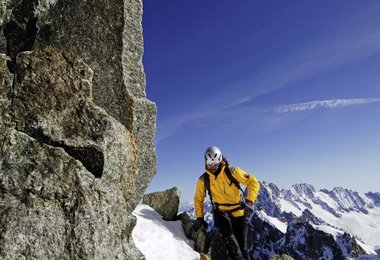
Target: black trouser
(233,232)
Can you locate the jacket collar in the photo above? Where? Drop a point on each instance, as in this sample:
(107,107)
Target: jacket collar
(218,171)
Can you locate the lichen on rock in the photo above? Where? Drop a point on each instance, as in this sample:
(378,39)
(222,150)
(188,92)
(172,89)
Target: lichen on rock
(76,129)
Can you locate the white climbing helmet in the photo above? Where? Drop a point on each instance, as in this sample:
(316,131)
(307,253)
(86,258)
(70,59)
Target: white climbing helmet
(213,156)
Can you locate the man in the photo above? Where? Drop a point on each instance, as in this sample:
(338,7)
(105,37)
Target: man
(225,196)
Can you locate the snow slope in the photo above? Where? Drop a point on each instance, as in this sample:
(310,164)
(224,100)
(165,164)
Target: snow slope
(343,209)
(158,239)
(334,212)
(273,221)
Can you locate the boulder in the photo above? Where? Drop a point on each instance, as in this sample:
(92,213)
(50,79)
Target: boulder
(52,207)
(166,203)
(76,128)
(107,35)
(67,169)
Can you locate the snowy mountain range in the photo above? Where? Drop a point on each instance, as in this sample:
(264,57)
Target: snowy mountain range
(307,223)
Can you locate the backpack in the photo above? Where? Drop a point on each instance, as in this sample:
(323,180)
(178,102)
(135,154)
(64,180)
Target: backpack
(206,179)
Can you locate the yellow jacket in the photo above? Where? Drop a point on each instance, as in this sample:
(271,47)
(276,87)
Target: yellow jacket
(224,193)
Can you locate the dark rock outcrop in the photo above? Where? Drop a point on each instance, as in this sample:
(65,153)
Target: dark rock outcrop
(166,203)
(302,241)
(350,246)
(268,199)
(308,216)
(199,237)
(76,129)
(210,243)
(263,239)
(375,197)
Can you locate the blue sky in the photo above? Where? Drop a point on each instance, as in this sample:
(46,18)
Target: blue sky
(289,90)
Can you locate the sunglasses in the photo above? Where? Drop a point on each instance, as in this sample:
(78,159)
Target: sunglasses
(212,164)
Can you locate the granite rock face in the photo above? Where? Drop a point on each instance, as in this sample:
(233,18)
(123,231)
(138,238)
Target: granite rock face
(67,168)
(166,203)
(107,35)
(76,128)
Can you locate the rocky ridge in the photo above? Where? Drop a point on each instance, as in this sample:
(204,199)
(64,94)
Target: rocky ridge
(76,139)
(297,222)
(166,203)
(208,243)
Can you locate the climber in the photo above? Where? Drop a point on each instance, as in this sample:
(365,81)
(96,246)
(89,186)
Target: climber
(221,181)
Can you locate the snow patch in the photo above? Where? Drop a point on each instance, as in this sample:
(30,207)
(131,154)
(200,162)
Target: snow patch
(273,221)
(158,239)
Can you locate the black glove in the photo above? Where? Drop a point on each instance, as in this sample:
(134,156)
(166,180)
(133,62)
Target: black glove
(249,204)
(199,223)
(248,208)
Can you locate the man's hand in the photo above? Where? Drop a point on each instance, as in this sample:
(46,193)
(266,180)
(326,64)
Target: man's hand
(199,223)
(249,204)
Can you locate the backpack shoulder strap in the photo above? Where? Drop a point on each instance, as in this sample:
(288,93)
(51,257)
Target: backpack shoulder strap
(232,178)
(206,181)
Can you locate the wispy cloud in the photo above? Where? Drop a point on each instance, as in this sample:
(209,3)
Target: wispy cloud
(332,103)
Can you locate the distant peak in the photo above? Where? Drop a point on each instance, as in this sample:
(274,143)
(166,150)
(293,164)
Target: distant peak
(302,187)
(339,189)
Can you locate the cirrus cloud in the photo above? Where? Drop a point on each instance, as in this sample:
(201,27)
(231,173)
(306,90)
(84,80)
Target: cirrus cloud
(331,103)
